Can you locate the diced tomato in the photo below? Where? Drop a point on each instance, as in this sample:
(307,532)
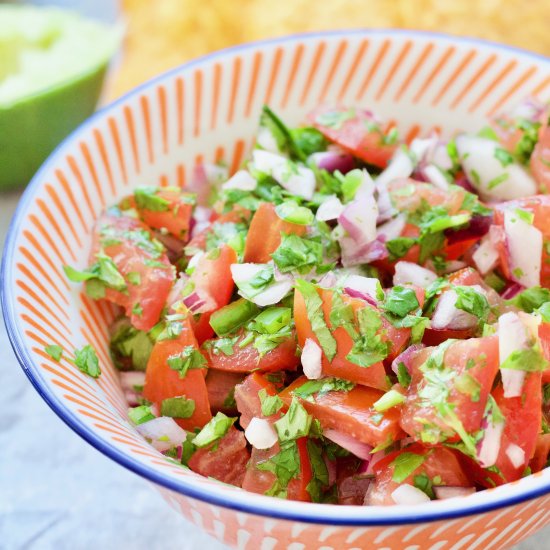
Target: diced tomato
(540,160)
(221,388)
(474,364)
(247,358)
(225,460)
(357,132)
(162,382)
(264,234)
(248,401)
(436,336)
(212,277)
(374,375)
(544,338)
(539,205)
(542,452)
(458,249)
(440,463)
(523,417)
(351,412)
(128,242)
(173,212)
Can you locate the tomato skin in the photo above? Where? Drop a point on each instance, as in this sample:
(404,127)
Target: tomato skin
(264,234)
(247,359)
(220,386)
(542,450)
(162,382)
(354,135)
(539,205)
(373,376)
(434,336)
(483,352)
(544,338)
(248,401)
(351,413)
(439,461)
(224,460)
(155,281)
(540,160)
(177,218)
(212,275)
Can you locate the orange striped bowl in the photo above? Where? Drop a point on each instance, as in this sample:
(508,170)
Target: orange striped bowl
(208,110)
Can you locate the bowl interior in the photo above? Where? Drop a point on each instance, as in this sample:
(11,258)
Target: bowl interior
(207,110)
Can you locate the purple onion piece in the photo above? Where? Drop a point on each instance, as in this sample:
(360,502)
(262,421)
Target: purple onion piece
(477,228)
(406,358)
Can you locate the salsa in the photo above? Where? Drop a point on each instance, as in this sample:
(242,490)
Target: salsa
(348,318)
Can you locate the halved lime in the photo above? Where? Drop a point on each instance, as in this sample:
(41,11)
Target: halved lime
(52,66)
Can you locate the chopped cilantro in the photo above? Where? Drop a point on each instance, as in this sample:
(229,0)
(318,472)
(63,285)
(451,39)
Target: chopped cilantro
(390,399)
(528,360)
(369,348)
(503,156)
(399,247)
(425,484)
(86,360)
(134,278)
(495,182)
(214,430)
(285,465)
(468,385)
(524,215)
(403,376)
(290,211)
(257,284)
(319,478)
(405,464)
(322,387)
(297,254)
(294,424)
(171,331)
(141,414)
(177,407)
(308,140)
(529,138)
(342,315)
(270,404)
(147,198)
(530,299)
(400,301)
(54,351)
(188,358)
(471,301)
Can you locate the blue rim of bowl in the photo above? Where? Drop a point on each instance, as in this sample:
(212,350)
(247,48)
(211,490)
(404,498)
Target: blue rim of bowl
(314,514)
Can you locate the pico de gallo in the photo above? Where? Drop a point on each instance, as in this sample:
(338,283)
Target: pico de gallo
(350,318)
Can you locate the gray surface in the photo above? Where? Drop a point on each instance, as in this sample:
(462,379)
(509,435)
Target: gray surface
(58,492)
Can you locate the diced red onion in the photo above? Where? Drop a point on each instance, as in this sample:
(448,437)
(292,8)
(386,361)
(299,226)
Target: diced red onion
(272,294)
(524,245)
(433,175)
(359,218)
(440,156)
(332,470)
(130,379)
(464,182)
(409,273)
(365,288)
(329,209)
(452,266)
(241,180)
(260,433)
(367,466)
(386,210)
(200,220)
(333,160)
(489,447)
(447,316)
(479,157)
(175,294)
(477,228)
(400,166)
(444,492)
(301,183)
(406,357)
(357,255)
(162,432)
(408,495)
(530,108)
(516,455)
(328,280)
(486,255)
(511,291)
(422,148)
(311,359)
(355,447)
(392,228)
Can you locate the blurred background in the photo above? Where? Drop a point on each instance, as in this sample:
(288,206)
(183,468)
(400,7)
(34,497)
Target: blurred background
(55,490)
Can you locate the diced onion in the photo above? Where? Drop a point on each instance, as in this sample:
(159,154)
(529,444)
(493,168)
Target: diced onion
(311,359)
(512,336)
(240,180)
(447,316)
(516,455)
(162,432)
(333,160)
(486,256)
(405,357)
(329,209)
(358,286)
(489,447)
(130,379)
(409,273)
(435,176)
(524,243)
(359,218)
(400,166)
(444,492)
(408,495)
(260,433)
(355,447)
(272,294)
(392,228)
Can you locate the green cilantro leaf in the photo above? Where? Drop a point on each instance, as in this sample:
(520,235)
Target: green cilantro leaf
(270,404)
(405,464)
(141,414)
(403,376)
(530,299)
(471,301)
(400,301)
(87,362)
(322,387)
(297,254)
(54,351)
(188,358)
(294,424)
(214,430)
(290,211)
(147,199)
(177,407)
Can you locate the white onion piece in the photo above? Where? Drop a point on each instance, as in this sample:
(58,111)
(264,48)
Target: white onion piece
(435,176)
(392,228)
(440,156)
(359,218)
(260,433)
(409,273)
(162,432)
(176,292)
(386,211)
(453,265)
(301,183)
(311,359)
(524,243)
(400,166)
(266,140)
(423,147)
(274,293)
(130,379)
(486,256)
(240,180)
(354,446)
(482,167)
(516,455)
(215,174)
(201,217)
(265,161)
(364,285)
(489,447)
(512,336)
(245,272)
(442,493)
(195,259)
(408,495)
(447,316)
(329,209)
